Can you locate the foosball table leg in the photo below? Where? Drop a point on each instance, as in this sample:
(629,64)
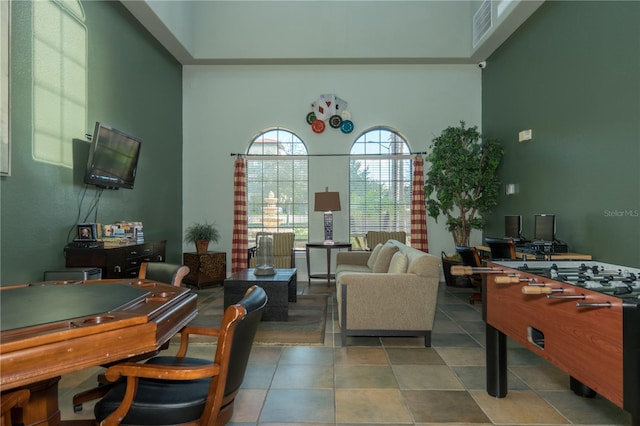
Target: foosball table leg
(496,362)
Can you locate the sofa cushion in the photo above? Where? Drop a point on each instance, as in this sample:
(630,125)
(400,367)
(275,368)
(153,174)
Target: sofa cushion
(374,256)
(383,260)
(399,263)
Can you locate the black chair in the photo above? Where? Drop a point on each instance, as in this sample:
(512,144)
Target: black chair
(167,273)
(172,390)
(470,257)
(501,248)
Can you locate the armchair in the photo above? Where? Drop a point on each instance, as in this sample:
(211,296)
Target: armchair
(172,390)
(380,237)
(283,253)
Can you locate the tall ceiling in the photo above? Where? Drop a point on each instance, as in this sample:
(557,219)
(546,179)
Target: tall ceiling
(329,31)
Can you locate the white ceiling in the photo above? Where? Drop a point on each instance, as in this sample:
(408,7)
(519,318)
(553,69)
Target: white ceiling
(327,31)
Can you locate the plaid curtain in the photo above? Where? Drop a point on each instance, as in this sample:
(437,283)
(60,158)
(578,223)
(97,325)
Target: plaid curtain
(418,211)
(239,244)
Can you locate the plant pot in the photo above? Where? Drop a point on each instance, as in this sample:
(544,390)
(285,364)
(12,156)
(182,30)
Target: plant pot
(202,246)
(451,280)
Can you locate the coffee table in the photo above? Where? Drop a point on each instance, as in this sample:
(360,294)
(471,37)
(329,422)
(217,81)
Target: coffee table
(281,289)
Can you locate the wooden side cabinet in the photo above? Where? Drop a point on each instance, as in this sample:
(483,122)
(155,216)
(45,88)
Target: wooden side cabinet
(205,268)
(118,261)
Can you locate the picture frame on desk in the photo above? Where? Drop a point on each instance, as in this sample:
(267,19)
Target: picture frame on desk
(87,232)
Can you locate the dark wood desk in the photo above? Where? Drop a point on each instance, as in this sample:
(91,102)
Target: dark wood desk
(49,329)
(328,248)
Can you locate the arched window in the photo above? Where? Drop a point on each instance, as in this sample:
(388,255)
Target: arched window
(59,79)
(278,185)
(380,179)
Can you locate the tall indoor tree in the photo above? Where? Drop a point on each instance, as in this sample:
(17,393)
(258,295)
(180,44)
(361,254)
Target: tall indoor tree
(462,184)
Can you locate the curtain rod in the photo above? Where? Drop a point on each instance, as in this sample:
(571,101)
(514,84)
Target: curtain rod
(328,155)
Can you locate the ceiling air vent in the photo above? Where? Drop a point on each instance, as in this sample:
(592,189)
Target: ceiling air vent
(481,22)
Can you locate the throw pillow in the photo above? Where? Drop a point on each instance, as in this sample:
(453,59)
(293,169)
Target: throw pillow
(399,263)
(374,256)
(384,258)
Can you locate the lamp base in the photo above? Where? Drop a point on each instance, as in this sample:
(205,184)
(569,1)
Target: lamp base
(328,226)
(328,242)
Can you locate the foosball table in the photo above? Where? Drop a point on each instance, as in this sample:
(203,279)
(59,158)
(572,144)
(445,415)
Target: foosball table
(583,317)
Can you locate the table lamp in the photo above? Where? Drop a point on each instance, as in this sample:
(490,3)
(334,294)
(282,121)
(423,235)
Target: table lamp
(327,202)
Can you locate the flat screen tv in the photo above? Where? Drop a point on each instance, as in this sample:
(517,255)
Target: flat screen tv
(512,226)
(545,227)
(113,158)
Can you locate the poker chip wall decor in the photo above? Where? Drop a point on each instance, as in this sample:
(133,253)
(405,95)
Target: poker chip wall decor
(332,109)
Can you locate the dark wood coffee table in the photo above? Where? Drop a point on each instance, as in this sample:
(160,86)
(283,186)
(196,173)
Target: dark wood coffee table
(281,289)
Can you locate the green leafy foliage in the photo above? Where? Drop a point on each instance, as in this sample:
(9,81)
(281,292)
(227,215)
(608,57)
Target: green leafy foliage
(201,231)
(462,183)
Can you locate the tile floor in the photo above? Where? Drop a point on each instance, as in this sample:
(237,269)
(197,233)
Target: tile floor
(397,381)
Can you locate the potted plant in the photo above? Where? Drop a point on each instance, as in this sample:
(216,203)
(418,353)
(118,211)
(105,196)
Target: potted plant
(462,183)
(201,234)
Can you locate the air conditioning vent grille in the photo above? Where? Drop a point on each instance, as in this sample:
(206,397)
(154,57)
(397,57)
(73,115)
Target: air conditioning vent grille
(481,22)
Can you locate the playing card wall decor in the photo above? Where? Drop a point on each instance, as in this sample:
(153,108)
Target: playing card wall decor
(332,109)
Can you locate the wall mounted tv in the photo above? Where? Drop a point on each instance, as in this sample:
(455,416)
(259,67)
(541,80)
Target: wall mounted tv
(113,158)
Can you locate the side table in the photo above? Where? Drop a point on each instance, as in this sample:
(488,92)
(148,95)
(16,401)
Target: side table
(281,289)
(205,268)
(328,248)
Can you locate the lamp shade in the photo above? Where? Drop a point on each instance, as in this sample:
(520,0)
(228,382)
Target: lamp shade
(327,202)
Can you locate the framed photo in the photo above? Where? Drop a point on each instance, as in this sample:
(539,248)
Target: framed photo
(87,232)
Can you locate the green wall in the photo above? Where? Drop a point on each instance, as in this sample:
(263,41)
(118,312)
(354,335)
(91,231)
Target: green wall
(571,74)
(133,85)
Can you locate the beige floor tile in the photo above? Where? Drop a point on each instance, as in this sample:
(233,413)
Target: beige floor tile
(365,376)
(426,377)
(371,406)
(302,376)
(462,356)
(360,355)
(248,405)
(518,407)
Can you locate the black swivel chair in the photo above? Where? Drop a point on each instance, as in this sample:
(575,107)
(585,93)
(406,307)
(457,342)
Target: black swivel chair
(470,257)
(167,273)
(501,248)
(178,389)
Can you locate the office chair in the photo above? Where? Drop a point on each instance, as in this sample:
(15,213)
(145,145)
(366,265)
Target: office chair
(501,248)
(167,273)
(470,257)
(171,390)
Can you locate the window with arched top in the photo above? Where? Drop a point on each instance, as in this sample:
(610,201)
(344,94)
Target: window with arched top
(278,185)
(59,79)
(380,179)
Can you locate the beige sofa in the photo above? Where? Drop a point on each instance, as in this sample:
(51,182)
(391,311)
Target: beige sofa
(390,291)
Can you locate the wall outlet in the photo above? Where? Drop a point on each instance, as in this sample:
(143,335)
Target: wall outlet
(525,135)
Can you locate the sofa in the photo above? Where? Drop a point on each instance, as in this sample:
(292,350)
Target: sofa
(389,291)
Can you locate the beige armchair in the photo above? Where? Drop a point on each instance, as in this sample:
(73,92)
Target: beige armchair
(375,237)
(284,256)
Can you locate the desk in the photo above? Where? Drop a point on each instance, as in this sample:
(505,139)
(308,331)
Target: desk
(328,248)
(49,329)
(554,256)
